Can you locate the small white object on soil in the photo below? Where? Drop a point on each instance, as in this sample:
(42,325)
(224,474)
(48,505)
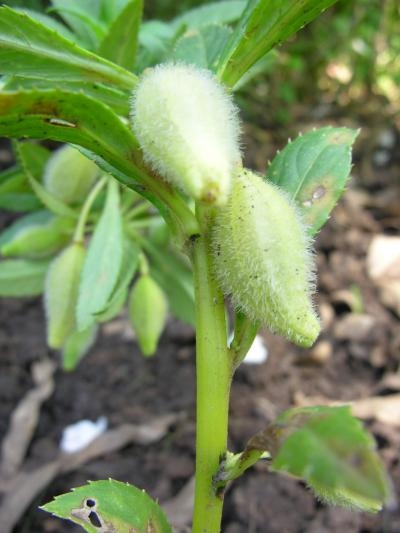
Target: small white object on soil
(258,352)
(77,436)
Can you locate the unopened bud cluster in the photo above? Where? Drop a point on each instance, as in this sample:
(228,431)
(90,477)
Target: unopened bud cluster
(188,129)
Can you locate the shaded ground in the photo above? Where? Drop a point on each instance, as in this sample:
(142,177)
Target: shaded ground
(357,357)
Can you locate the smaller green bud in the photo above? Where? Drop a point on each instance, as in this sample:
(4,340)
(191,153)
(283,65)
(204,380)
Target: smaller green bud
(61,294)
(69,175)
(263,260)
(188,129)
(148,310)
(40,238)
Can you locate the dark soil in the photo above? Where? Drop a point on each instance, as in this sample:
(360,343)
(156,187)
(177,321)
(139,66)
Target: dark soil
(349,363)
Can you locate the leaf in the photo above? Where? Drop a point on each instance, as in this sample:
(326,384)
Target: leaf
(111,506)
(129,265)
(69,117)
(264,24)
(15,191)
(330,451)
(113,97)
(38,239)
(120,42)
(212,13)
(29,49)
(103,262)
(20,277)
(314,170)
(156,40)
(77,346)
(83,18)
(50,22)
(202,47)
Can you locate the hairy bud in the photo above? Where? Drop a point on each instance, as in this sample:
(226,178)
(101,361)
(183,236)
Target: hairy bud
(263,260)
(69,175)
(188,129)
(148,312)
(61,294)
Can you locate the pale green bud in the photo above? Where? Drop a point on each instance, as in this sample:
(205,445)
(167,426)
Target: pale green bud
(148,310)
(61,294)
(263,260)
(69,175)
(188,129)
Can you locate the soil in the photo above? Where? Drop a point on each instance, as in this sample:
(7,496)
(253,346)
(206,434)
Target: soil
(355,358)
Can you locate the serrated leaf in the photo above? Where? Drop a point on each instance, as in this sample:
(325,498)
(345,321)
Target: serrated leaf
(329,449)
(202,47)
(32,50)
(20,277)
(212,13)
(77,346)
(120,42)
(113,97)
(264,24)
(110,504)
(103,262)
(69,117)
(50,22)
(314,170)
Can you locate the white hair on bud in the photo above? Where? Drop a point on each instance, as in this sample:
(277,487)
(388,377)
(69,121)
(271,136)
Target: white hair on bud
(188,128)
(263,259)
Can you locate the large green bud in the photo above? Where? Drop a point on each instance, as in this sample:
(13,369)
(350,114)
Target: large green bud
(263,259)
(188,129)
(61,294)
(69,175)
(148,309)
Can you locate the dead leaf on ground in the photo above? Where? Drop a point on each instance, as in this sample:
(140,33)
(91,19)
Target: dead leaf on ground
(383,265)
(23,488)
(385,409)
(179,509)
(25,417)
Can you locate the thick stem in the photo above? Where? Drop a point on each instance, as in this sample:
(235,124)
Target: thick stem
(213,369)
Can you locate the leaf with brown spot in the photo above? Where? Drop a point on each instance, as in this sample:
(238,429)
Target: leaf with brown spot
(314,170)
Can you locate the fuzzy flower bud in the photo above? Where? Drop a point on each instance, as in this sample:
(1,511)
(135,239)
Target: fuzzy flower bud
(188,129)
(263,260)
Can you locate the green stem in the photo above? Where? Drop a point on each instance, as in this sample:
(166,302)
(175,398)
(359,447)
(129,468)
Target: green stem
(214,373)
(80,227)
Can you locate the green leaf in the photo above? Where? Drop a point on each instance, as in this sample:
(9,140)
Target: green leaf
(38,239)
(213,13)
(113,97)
(103,261)
(202,47)
(29,49)
(120,43)
(111,506)
(129,265)
(156,40)
(83,18)
(264,24)
(50,22)
(330,450)
(77,346)
(20,277)
(15,192)
(69,117)
(314,170)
